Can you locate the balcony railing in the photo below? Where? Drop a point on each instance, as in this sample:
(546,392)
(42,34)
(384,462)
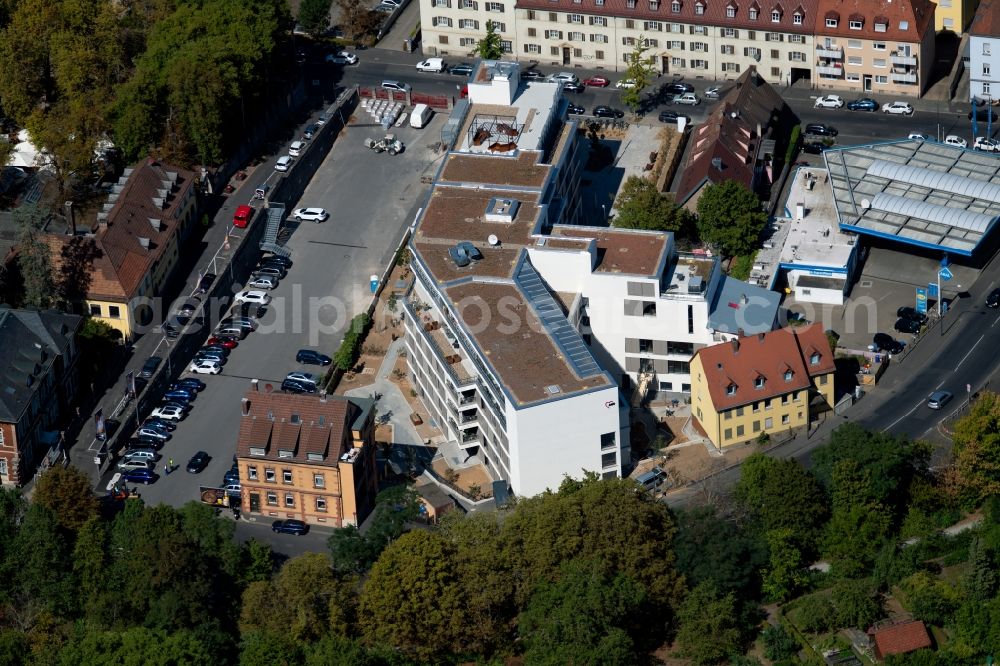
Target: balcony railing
(470,436)
(831,52)
(903,59)
(833,70)
(469,417)
(904,77)
(465,400)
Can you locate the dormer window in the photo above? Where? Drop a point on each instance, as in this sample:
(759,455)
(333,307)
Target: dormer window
(675,7)
(654,5)
(731,389)
(856,22)
(788,375)
(752,13)
(699,8)
(814,359)
(759,382)
(776,16)
(796,19)
(831,23)
(731,11)
(904,25)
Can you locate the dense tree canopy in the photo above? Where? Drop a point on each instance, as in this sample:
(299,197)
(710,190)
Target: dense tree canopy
(730,217)
(641,206)
(976,447)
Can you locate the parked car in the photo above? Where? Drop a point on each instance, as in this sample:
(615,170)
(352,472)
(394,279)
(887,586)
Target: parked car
(231,476)
(304,377)
(205,283)
(904,325)
(907,312)
(938,399)
(575,109)
(712,92)
(862,104)
(191,383)
(993,300)
(829,102)
(984,115)
(596,82)
(159,424)
(310,131)
(134,463)
(295,148)
(821,129)
(233,489)
(396,85)
(678,88)
(168,412)
(242,216)
(813,147)
(179,395)
(986,144)
(290,526)
(198,462)
(226,341)
(155,433)
(608,112)
(252,296)
(625,84)
(342,58)
(957,141)
(144,476)
(917,136)
(688,99)
(435,65)
(215,349)
(564,77)
(150,455)
(898,108)
(461,69)
(668,116)
(284,262)
(263,282)
(321,119)
(210,356)
(284,163)
(883,342)
(239,321)
(293,386)
(532,75)
(312,357)
(135,443)
(170,329)
(572,87)
(205,367)
(310,214)
(150,366)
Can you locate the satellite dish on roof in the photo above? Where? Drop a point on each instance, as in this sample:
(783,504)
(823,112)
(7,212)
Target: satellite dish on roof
(866,204)
(493,240)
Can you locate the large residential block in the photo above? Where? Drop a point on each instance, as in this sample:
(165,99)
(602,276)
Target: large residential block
(984,52)
(710,39)
(307,457)
(38,376)
(762,384)
(527,334)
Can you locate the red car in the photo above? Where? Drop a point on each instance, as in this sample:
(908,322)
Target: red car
(597,82)
(225,341)
(243,216)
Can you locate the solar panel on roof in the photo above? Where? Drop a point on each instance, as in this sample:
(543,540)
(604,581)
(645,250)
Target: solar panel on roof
(566,337)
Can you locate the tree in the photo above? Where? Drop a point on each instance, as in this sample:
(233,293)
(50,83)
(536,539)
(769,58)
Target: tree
(489,47)
(712,549)
(357,18)
(339,651)
(38,568)
(856,603)
(137,645)
(314,16)
(75,272)
(350,551)
(813,613)
(730,217)
(66,492)
(976,448)
(100,344)
(639,72)
(929,598)
(34,259)
(778,643)
(581,618)
(859,525)
(784,575)
(641,206)
(353,552)
(709,629)
(980,582)
(269,649)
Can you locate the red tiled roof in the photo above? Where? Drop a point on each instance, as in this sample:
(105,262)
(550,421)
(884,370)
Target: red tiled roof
(743,361)
(714,12)
(901,638)
(986,22)
(918,15)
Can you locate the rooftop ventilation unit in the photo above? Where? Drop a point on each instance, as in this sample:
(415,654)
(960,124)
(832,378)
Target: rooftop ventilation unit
(501,210)
(695,284)
(553,389)
(493,240)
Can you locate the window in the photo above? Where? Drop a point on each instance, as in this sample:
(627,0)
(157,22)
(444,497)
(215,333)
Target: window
(554,50)
(648,309)
(574,18)
(269,475)
(756,426)
(251,471)
(553,34)
(796,39)
(904,25)
(831,23)
(752,52)
(731,389)
(95,310)
(319,481)
(986,48)
(775,16)
(598,55)
(776,72)
(785,399)
(441,21)
(608,460)
(699,46)
(677,28)
(758,383)
(685,388)
(728,434)
(654,5)
(775,54)
(796,19)
(727,49)
(494,7)
(467,41)
(730,12)
(986,72)
(855,25)
(699,30)
(629,24)
(785,419)
(553,17)
(731,67)
(739,431)
(796,56)
(678,367)
(607,441)
(986,88)
(645,345)
(578,53)
(599,39)
(472,4)
(469,24)
(823,379)
(854,43)
(756,407)
(768,423)
(290,500)
(881,79)
(678,62)
(599,3)
(3,467)
(878,46)
(114,312)
(788,375)
(774,37)
(699,9)
(650,43)
(321,505)
(878,62)
(286,476)
(675,7)
(272,499)
(655,26)
(699,64)
(630,4)
(599,20)
(442,3)
(753,13)
(855,60)
(730,32)
(739,411)
(442,39)
(677,45)
(532,48)
(577,37)
(814,358)
(669,386)
(690,319)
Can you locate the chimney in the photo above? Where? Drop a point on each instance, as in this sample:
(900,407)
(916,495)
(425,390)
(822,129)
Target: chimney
(246,407)
(322,395)
(255,383)
(735,342)
(760,336)
(71,217)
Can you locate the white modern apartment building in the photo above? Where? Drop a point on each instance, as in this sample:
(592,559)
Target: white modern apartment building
(984,52)
(521,326)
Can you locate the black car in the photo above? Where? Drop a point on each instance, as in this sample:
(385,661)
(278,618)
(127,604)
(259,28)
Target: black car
(150,366)
(884,342)
(678,88)
(670,116)
(198,462)
(190,383)
(984,115)
(159,424)
(575,109)
(292,386)
(821,129)
(532,75)
(904,325)
(188,307)
(232,476)
(170,330)
(312,357)
(608,112)
(461,69)
(144,443)
(993,300)
(206,282)
(310,131)
(284,262)
(572,86)
(290,526)
(863,104)
(907,312)
(813,147)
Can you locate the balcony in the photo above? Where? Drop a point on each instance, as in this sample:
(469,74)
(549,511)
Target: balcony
(466,400)
(830,52)
(470,437)
(468,418)
(830,70)
(903,59)
(903,77)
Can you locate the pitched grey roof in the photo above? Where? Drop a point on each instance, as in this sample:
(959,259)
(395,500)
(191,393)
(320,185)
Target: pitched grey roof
(30,340)
(739,306)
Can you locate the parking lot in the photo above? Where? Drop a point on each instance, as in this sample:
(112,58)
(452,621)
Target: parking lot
(327,285)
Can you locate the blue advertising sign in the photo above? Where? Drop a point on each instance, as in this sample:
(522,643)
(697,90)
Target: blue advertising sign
(921,300)
(945,273)
(932,290)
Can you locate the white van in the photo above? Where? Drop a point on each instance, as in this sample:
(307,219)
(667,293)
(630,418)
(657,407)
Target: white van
(421,116)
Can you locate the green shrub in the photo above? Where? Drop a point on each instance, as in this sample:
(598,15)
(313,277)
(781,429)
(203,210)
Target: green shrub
(793,143)
(740,266)
(778,643)
(813,614)
(347,355)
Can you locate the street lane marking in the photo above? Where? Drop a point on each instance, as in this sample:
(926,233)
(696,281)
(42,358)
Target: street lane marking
(359,247)
(889,427)
(971,349)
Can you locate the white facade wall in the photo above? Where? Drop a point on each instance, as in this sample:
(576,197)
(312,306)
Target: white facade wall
(984,67)
(563,437)
(454,27)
